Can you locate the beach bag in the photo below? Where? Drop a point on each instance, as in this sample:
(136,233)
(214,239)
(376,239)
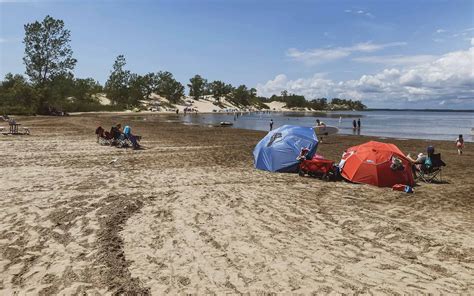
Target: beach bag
(401,187)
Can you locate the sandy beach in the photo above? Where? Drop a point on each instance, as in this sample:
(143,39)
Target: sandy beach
(190,214)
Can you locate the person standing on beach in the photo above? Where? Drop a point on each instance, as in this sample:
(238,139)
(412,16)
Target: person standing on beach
(354,124)
(271,124)
(319,123)
(358,123)
(460,144)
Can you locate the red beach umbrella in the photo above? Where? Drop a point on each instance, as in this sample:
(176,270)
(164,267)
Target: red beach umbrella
(376,163)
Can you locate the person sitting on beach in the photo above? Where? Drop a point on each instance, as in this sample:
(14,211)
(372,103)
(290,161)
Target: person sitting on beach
(422,161)
(116,131)
(99,132)
(460,144)
(303,153)
(127,131)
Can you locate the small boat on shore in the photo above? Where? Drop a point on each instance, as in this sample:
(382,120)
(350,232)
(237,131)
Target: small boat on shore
(226,123)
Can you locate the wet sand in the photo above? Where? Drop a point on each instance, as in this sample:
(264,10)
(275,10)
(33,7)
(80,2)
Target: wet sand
(190,214)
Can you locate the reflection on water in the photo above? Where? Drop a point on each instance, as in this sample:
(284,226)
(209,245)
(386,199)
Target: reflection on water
(356,131)
(395,124)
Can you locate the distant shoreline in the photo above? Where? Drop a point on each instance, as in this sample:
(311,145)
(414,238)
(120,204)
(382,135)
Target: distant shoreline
(420,110)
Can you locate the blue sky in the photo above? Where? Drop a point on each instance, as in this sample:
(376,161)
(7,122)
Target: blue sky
(386,53)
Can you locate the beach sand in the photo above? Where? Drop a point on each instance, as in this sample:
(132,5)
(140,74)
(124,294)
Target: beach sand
(190,214)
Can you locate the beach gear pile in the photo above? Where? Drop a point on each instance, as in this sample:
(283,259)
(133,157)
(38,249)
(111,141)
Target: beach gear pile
(293,149)
(117,138)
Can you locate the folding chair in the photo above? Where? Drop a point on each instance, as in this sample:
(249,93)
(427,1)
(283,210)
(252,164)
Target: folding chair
(432,173)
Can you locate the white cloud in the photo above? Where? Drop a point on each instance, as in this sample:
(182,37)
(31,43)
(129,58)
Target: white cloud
(393,60)
(439,31)
(463,33)
(3,40)
(448,78)
(315,56)
(318,55)
(359,12)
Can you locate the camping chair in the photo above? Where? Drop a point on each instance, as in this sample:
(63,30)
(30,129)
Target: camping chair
(125,142)
(103,137)
(432,173)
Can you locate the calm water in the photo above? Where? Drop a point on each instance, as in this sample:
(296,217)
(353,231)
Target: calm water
(394,124)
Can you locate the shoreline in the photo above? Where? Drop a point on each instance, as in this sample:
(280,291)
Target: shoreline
(147,113)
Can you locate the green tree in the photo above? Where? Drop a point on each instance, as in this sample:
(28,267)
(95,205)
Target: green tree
(17,96)
(219,89)
(139,88)
(197,87)
(241,95)
(318,104)
(169,87)
(150,84)
(60,90)
(117,86)
(253,92)
(296,101)
(47,50)
(84,89)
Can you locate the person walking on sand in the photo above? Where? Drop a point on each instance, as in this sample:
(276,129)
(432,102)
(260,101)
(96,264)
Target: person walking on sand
(460,144)
(271,124)
(358,123)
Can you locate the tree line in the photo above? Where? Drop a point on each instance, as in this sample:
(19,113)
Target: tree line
(50,84)
(299,101)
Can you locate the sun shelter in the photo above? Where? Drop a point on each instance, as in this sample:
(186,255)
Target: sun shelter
(376,163)
(278,150)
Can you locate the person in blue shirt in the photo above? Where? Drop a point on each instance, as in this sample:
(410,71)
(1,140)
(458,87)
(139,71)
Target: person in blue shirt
(127,131)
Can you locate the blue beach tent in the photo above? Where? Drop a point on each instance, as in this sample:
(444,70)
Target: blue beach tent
(278,150)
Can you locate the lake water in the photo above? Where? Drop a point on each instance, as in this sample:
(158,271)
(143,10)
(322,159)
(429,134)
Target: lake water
(395,124)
